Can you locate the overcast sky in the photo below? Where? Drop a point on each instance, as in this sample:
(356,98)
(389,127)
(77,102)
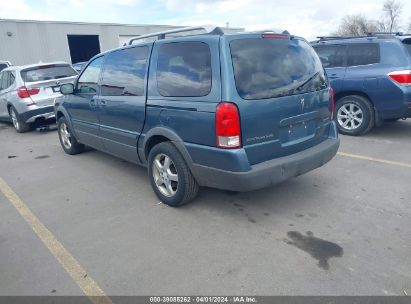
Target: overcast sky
(307,18)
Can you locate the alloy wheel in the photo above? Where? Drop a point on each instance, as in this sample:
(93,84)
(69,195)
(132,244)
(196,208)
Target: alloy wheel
(14,119)
(165,175)
(350,116)
(65,136)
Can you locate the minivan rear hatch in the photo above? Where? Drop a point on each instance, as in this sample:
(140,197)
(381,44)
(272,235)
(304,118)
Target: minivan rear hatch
(282,95)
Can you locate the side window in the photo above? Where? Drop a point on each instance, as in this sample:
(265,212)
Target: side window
(124,72)
(184,69)
(331,56)
(363,54)
(88,82)
(5,80)
(12,78)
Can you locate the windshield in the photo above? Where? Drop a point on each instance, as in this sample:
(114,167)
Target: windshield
(48,72)
(267,68)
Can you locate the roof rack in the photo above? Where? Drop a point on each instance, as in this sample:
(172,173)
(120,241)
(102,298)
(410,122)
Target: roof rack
(368,35)
(324,38)
(328,37)
(384,33)
(213,30)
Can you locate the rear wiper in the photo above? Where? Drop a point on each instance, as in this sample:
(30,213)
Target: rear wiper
(306,81)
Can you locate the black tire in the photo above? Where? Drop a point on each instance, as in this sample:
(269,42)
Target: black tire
(74,147)
(19,125)
(186,189)
(367,115)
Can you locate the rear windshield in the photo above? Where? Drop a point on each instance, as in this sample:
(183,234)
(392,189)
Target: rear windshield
(48,72)
(407,44)
(267,68)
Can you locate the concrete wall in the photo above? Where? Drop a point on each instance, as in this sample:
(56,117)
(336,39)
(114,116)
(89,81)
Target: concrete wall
(34,41)
(26,42)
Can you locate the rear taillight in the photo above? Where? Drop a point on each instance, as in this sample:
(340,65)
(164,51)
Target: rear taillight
(24,92)
(332,104)
(401,77)
(227,125)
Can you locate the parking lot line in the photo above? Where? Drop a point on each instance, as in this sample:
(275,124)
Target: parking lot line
(378,160)
(69,263)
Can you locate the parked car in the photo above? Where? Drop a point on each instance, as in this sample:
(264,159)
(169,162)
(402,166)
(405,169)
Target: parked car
(27,93)
(4,64)
(371,78)
(236,112)
(79,66)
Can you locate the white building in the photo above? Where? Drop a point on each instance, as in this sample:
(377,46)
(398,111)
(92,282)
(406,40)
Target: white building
(25,41)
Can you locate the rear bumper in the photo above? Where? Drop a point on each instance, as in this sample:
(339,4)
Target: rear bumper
(35,114)
(270,172)
(404,111)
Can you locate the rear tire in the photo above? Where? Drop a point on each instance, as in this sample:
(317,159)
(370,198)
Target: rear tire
(170,176)
(68,142)
(354,115)
(19,125)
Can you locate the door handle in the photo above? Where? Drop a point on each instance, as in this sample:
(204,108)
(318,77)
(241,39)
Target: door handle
(333,76)
(103,102)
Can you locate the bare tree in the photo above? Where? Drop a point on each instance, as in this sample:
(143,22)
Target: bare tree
(390,20)
(356,25)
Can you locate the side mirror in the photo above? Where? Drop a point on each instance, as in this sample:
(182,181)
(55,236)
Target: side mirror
(67,89)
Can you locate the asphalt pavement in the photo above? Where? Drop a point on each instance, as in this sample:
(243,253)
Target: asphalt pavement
(343,229)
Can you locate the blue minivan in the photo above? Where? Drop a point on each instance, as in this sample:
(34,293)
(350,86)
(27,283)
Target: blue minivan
(231,111)
(371,78)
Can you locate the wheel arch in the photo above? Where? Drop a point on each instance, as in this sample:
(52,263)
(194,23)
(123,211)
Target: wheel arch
(62,112)
(343,94)
(162,134)
(9,105)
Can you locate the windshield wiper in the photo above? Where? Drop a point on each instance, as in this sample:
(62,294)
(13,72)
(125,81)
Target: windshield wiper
(312,77)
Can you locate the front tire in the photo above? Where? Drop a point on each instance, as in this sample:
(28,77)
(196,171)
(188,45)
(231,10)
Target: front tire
(170,176)
(68,142)
(19,125)
(354,115)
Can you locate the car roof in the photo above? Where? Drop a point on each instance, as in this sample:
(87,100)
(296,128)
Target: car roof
(202,35)
(29,66)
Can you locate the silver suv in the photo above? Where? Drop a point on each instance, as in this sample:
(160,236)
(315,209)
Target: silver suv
(27,93)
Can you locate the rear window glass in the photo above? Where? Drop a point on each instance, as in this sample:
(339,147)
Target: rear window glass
(124,72)
(3,66)
(363,54)
(47,73)
(268,68)
(184,69)
(331,56)
(407,44)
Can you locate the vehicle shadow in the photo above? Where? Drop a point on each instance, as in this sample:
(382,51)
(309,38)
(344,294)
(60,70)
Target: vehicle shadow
(36,127)
(5,125)
(281,199)
(400,129)
(285,199)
